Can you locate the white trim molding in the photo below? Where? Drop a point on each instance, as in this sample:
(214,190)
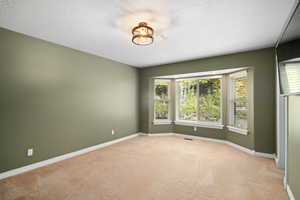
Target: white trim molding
(239,147)
(200,138)
(197,124)
(277,161)
(290,193)
(238,130)
(62,157)
(265,155)
(162,122)
(156,134)
(284,182)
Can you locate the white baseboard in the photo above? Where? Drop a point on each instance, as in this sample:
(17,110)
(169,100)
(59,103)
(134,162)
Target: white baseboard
(241,148)
(290,193)
(279,164)
(284,182)
(265,155)
(276,161)
(156,134)
(200,138)
(62,157)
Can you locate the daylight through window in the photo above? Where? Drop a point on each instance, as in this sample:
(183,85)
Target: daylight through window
(238,113)
(161,99)
(199,100)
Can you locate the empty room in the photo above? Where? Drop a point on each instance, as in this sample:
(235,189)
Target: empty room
(149,100)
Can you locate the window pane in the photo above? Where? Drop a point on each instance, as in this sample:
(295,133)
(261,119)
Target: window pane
(161,109)
(161,89)
(161,99)
(290,78)
(187,108)
(209,108)
(241,103)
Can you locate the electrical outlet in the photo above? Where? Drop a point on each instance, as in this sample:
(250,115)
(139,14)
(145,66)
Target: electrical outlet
(112,131)
(195,128)
(29,152)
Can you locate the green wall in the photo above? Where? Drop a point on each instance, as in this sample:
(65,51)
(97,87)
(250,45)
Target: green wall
(294,145)
(261,63)
(58,100)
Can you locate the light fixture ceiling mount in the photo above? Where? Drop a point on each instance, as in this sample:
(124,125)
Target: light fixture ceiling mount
(142,34)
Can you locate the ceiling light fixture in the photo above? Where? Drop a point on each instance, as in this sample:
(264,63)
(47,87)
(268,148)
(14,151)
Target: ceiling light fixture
(142,34)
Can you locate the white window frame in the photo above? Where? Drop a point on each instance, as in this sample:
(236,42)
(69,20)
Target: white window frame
(162,121)
(285,77)
(230,98)
(203,124)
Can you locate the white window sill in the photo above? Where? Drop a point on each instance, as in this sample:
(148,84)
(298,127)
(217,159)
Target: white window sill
(162,122)
(238,130)
(197,124)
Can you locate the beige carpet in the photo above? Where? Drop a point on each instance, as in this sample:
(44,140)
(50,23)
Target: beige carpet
(152,168)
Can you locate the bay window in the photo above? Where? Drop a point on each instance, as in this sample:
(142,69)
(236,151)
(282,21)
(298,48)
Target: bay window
(161,101)
(198,100)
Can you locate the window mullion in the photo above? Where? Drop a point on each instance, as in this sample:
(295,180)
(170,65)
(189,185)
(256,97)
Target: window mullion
(231,101)
(197,97)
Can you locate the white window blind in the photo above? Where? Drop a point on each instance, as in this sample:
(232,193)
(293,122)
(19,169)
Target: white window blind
(290,78)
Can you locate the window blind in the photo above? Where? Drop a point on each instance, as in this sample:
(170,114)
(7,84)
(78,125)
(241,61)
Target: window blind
(290,78)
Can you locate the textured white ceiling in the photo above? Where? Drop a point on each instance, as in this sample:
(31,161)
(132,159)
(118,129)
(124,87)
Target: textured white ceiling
(184,30)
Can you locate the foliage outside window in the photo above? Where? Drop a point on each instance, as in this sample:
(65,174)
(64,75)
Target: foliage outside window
(187,108)
(239,100)
(210,100)
(199,100)
(161,99)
